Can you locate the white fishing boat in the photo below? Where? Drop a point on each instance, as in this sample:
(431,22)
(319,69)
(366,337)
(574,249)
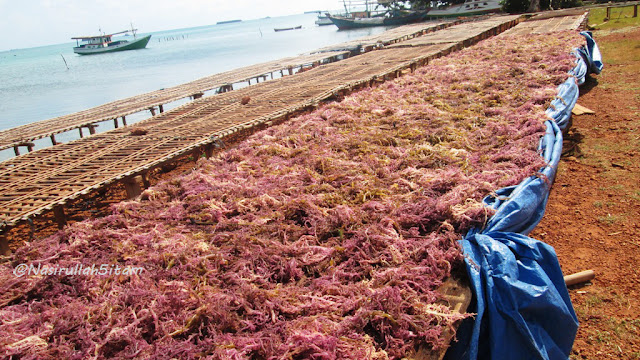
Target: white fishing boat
(323,20)
(99,44)
(469,8)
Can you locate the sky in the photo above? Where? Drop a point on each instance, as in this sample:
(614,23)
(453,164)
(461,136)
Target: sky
(30,23)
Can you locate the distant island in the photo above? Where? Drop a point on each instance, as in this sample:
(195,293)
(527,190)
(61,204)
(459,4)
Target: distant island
(228,22)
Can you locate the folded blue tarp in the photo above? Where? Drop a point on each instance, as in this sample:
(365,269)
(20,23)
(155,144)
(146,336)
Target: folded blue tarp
(592,53)
(521,301)
(581,69)
(520,208)
(520,298)
(561,106)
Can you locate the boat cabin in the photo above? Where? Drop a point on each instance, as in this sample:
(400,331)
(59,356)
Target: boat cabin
(98,41)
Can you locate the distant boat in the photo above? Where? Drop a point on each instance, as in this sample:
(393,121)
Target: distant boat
(228,22)
(100,44)
(323,20)
(469,8)
(289,28)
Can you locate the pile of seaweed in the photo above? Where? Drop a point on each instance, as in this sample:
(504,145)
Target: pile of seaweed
(322,238)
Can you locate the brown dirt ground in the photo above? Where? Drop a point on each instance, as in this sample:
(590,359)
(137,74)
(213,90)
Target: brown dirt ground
(593,215)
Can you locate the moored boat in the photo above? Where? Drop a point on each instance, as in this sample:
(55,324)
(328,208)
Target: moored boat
(289,28)
(324,20)
(344,23)
(99,44)
(366,13)
(228,22)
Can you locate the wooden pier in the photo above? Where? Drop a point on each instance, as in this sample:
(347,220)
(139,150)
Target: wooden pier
(86,121)
(396,35)
(551,21)
(47,179)
(23,136)
(472,33)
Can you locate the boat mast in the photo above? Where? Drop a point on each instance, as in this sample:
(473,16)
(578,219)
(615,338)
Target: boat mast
(133,31)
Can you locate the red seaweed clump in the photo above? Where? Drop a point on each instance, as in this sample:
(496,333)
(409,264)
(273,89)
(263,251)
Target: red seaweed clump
(322,238)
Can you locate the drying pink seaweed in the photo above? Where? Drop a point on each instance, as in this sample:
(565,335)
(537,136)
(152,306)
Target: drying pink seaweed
(322,238)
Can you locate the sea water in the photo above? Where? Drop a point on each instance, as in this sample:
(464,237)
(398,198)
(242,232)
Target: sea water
(45,82)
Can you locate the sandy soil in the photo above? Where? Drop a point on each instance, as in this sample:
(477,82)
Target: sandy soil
(593,215)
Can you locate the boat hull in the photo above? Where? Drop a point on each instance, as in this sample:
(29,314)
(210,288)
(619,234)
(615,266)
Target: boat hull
(346,23)
(287,29)
(323,21)
(140,43)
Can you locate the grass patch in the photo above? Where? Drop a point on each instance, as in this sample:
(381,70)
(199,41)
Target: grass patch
(610,219)
(620,17)
(614,188)
(594,301)
(601,204)
(616,333)
(603,337)
(613,147)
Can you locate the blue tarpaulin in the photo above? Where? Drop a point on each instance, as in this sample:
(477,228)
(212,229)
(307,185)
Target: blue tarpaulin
(592,53)
(522,306)
(561,106)
(581,69)
(520,208)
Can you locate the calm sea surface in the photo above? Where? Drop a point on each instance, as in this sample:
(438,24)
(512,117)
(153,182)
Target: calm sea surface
(36,84)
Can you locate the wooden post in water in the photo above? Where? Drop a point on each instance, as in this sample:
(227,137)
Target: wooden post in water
(115,123)
(161,108)
(80,130)
(124,121)
(59,215)
(153,111)
(53,140)
(92,128)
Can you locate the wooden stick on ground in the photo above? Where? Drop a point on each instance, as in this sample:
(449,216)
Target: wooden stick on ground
(580,277)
